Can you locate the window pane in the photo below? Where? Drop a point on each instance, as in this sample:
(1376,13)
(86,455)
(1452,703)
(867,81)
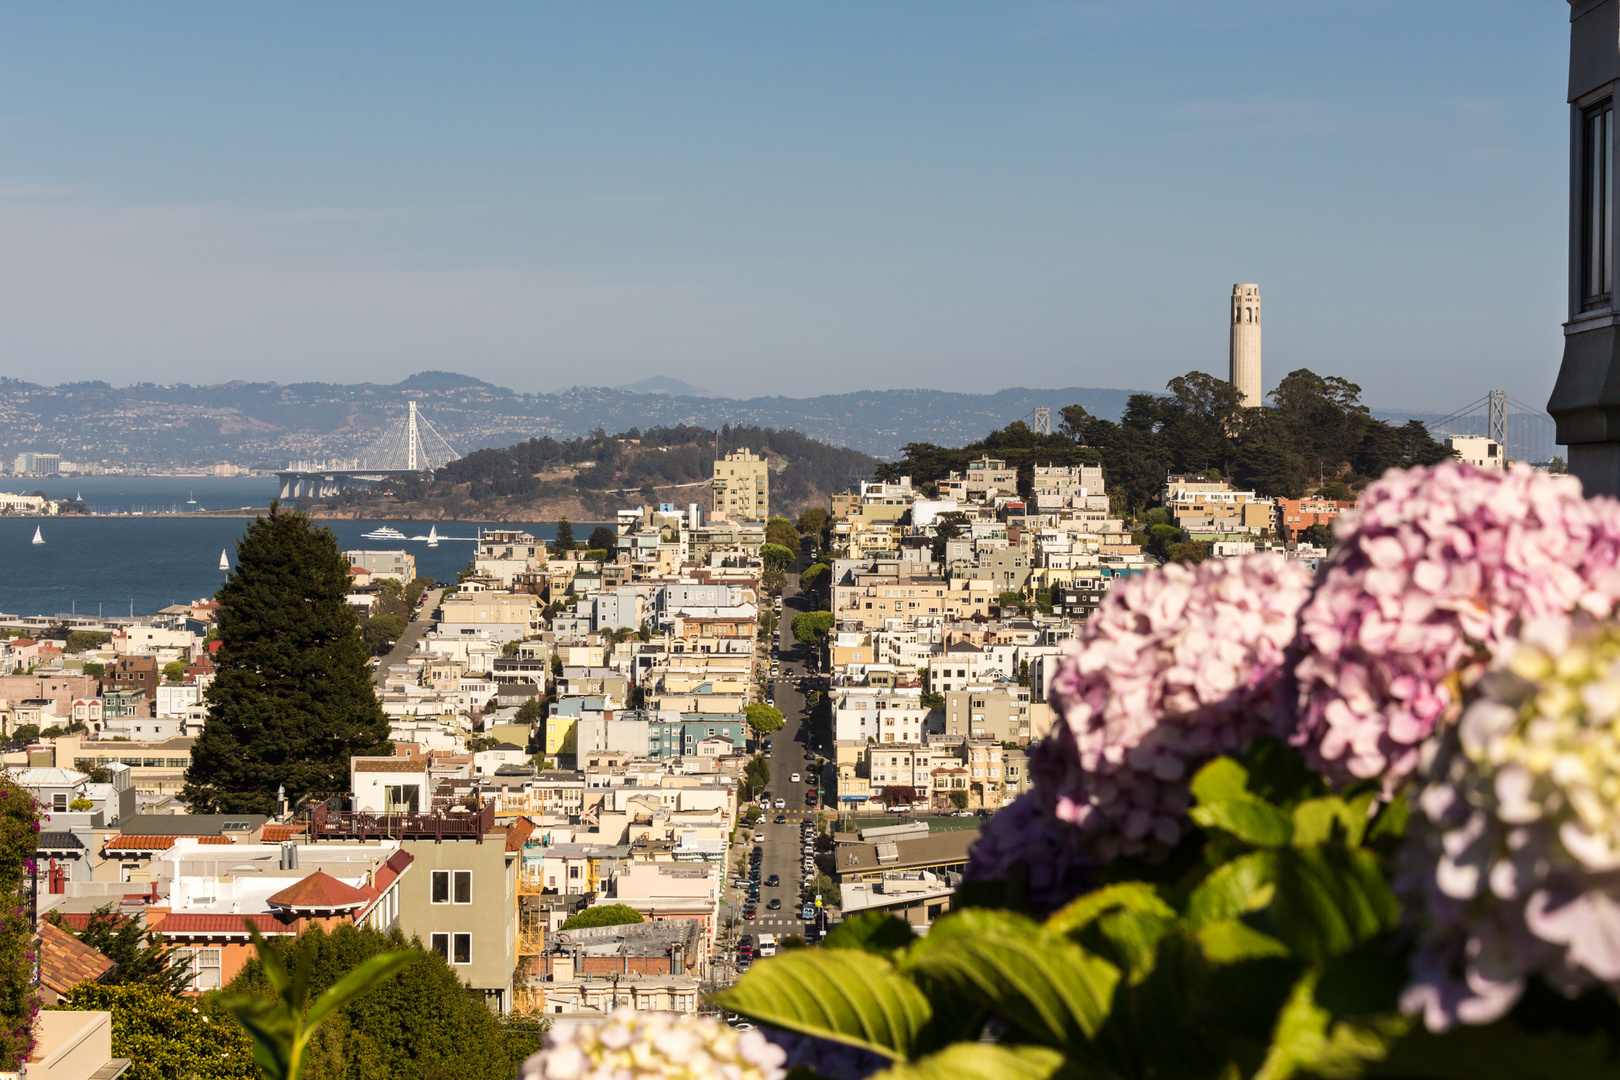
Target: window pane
(441,886)
(1608,200)
(441,945)
(463,886)
(463,949)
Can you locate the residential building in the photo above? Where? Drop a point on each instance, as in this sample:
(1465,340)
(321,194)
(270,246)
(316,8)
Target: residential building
(742,487)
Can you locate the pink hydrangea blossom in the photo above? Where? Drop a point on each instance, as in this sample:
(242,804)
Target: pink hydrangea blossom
(1176,667)
(1439,566)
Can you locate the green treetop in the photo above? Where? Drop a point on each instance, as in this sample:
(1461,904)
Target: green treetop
(603,915)
(292,698)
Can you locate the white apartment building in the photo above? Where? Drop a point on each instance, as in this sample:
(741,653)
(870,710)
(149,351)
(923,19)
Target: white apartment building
(884,717)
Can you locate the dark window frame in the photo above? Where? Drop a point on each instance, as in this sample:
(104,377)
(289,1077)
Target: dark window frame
(1596,211)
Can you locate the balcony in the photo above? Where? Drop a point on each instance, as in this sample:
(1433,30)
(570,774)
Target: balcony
(329,821)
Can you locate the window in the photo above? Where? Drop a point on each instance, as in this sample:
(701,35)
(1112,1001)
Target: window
(204,965)
(59,802)
(1597,204)
(452,883)
(402,798)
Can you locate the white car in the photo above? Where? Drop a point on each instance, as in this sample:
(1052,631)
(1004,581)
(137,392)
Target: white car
(781,804)
(794,778)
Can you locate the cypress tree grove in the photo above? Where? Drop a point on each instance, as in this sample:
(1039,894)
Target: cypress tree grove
(292,699)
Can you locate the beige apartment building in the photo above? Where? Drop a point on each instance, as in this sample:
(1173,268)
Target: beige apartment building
(742,487)
(502,616)
(1001,713)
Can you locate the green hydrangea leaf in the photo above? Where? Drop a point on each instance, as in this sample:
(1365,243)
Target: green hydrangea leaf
(846,995)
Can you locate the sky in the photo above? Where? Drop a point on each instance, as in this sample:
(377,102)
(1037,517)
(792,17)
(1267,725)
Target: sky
(786,198)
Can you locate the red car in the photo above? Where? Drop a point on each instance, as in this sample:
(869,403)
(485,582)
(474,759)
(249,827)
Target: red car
(748,913)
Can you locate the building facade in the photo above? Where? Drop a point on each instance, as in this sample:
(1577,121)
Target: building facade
(742,487)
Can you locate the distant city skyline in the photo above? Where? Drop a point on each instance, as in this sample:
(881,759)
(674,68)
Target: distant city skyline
(786,201)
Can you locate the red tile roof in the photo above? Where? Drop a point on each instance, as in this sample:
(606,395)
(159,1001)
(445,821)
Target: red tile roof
(275,833)
(319,891)
(158,843)
(205,924)
(65,961)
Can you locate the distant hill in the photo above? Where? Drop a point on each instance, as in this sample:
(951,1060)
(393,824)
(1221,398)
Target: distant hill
(267,424)
(663,384)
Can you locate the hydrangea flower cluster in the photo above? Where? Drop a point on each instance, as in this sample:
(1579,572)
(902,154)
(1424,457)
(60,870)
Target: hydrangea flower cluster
(1512,862)
(1175,668)
(825,1057)
(1429,579)
(1022,832)
(633,1045)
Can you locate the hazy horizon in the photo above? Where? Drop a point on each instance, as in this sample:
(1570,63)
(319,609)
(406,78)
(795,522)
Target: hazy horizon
(786,201)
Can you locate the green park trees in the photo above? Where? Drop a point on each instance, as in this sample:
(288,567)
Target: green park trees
(756,776)
(602,538)
(381,631)
(764,719)
(777,557)
(811,626)
(292,700)
(604,915)
(780,531)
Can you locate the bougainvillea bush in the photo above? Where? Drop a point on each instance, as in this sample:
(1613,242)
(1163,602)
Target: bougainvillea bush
(1364,822)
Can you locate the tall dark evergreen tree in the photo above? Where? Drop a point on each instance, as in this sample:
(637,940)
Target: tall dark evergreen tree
(565,536)
(293,698)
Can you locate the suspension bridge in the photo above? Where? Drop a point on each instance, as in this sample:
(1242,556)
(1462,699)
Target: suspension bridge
(1524,432)
(411,445)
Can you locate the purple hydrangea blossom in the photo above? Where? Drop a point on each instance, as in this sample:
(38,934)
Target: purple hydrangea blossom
(1437,568)
(1057,869)
(1176,667)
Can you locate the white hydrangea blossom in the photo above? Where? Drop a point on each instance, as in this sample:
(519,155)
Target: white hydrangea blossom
(633,1045)
(1513,856)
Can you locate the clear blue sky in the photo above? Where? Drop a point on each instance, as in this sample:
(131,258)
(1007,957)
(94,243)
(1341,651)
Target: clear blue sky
(785,198)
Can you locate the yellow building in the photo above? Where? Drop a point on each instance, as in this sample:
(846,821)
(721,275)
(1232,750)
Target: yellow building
(742,487)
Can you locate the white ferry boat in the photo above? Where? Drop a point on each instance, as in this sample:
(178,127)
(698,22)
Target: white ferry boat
(383,532)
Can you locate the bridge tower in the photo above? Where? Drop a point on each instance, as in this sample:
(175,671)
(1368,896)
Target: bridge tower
(411,436)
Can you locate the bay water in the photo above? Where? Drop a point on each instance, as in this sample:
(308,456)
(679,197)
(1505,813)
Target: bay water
(113,565)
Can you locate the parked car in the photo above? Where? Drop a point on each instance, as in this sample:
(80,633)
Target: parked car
(808,913)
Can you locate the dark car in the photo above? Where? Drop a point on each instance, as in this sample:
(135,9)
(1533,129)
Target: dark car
(775,904)
(781,819)
(746,939)
(773,880)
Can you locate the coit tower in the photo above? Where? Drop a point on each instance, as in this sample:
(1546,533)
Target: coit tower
(1246,343)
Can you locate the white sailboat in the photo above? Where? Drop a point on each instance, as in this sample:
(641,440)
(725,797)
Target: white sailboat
(38,539)
(433,536)
(224,561)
